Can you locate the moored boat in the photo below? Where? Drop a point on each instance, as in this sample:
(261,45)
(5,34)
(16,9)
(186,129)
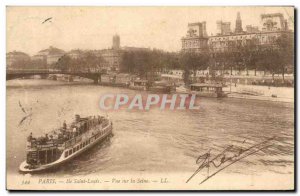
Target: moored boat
(139,85)
(65,143)
(207,90)
(182,89)
(160,87)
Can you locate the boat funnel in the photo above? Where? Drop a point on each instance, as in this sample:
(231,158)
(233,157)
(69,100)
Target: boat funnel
(77,118)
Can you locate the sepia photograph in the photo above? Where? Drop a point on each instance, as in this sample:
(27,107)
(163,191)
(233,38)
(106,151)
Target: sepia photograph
(150,98)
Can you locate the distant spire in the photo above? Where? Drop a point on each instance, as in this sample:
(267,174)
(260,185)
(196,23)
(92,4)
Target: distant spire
(238,17)
(238,24)
(116,42)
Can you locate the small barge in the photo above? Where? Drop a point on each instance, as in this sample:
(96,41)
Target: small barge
(207,90)
(139,84)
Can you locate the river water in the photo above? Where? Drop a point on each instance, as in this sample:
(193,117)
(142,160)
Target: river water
(154,140)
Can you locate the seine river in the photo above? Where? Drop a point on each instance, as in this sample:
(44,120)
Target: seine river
(154,140)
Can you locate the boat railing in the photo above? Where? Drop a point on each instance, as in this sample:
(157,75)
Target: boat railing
(73,141)
(104,124)
(35,145)
(78,139)
(43,143)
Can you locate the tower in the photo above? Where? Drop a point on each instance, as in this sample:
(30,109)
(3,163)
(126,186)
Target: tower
(116,42)
(273,22)
(197,29)
(238,24)
(219,27)
(223,28)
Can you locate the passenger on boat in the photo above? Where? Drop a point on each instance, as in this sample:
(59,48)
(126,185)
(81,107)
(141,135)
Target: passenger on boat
(60,135)
(55,136)
(46,137)
(74,132)
(66,136)
(29,138)
(64,125)
(62,131)
(43,140)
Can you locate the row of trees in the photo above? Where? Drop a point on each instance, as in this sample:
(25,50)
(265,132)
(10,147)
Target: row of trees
(273,58)
(144,62)
(29,64)
(86,61)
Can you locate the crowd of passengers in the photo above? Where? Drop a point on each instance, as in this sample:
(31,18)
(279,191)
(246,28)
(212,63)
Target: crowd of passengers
(66,133)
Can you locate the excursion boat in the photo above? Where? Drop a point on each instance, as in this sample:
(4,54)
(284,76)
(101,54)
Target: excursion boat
(65,143)
(207,90)
(139,85)
(182,89)
(160,87)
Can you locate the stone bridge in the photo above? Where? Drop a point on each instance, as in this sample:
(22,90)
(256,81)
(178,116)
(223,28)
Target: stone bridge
(13,74)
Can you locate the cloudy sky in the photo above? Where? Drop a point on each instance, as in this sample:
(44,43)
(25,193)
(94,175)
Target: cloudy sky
(93,27)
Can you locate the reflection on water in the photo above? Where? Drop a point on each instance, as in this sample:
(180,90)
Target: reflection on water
(151,141)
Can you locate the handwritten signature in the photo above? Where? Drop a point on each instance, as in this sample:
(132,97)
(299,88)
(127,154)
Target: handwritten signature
(219,161)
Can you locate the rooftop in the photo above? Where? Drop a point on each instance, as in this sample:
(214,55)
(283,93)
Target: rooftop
(271,15)
(52,50)
(17,53)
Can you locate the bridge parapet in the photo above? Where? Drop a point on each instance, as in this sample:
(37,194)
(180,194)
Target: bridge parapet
(18,73)
(50,71)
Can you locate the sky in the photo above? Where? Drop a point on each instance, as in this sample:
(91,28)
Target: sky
(94,27)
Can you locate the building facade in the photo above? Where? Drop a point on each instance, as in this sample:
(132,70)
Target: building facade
(252,29)
(273,22)
(51,55)
(273,25)
(15,57)
(112,59)
(223,28)
(113,56)
(75,54)
(196,38)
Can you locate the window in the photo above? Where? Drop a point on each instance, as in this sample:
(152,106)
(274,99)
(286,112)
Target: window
(74,149)
(66,154)
(70,152)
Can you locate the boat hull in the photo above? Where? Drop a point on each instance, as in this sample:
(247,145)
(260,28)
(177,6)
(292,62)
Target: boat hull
(209,94)
(140,88)
(160,89)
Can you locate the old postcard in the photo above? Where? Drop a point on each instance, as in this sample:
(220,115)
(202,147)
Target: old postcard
(150,98)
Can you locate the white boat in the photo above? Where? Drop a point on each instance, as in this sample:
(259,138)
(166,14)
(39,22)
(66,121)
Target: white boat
(44,153)
(182,89)
(207,90)
(139,85)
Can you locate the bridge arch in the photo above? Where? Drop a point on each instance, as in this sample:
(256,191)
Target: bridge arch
(14,74)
